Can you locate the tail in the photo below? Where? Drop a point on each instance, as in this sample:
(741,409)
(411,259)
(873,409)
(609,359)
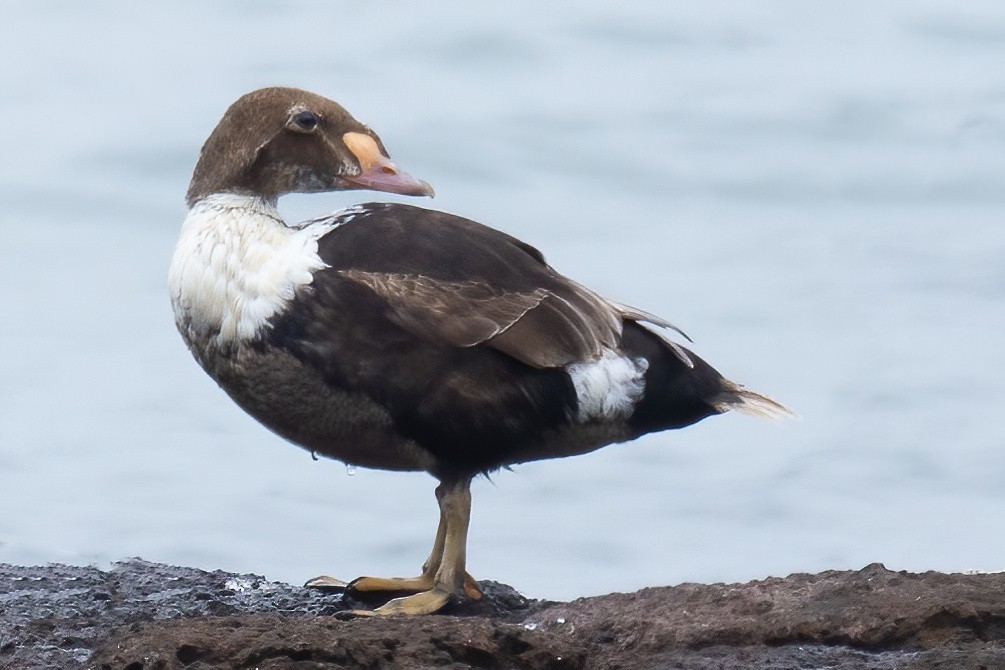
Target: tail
(682,389)
(740,399)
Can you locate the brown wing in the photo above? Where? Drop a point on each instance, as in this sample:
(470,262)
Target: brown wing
(542,327)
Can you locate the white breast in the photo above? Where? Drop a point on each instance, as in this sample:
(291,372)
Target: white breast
(236,265)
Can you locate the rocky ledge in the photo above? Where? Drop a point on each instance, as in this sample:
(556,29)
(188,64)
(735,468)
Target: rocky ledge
(146,616)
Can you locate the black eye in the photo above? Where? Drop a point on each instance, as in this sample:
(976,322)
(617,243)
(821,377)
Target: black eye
(305,121)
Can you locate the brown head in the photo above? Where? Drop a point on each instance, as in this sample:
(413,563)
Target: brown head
(284,140)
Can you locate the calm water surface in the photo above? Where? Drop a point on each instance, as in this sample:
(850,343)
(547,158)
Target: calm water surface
(815,193)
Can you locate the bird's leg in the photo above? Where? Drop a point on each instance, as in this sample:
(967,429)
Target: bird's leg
(444,574)
(432,564)
(454,501)
(455,513)
(423,582)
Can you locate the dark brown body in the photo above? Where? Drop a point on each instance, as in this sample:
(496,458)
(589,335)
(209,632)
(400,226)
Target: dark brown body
(401,338)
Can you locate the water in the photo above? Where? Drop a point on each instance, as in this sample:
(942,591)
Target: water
(814,193)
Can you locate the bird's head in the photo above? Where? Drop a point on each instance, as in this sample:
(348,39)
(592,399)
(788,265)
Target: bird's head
(279,140)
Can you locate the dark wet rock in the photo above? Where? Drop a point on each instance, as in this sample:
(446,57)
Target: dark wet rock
(54,616)
(873,618)
(145,616)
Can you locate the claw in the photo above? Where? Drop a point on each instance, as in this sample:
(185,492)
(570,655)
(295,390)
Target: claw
(425,602)
(326,582)
(471,589)
(412,584)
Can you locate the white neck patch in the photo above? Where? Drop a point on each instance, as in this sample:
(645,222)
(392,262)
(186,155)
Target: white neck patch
(608,388)
(236,265)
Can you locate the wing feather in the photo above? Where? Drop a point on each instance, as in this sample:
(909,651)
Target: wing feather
(541,327)
(461,314)
(456,282)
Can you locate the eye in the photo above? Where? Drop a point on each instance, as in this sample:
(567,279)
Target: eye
(303,121)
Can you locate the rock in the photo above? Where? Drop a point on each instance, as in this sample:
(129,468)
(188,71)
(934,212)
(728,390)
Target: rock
(146,616)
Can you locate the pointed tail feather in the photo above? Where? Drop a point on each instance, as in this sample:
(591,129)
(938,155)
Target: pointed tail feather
(740,399)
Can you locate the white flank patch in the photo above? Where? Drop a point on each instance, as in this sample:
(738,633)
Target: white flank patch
(608,388)
(237,264)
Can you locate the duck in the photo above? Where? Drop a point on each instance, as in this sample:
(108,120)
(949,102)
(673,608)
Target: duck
(395,337)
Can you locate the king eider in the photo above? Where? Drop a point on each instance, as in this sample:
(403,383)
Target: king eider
(394,337)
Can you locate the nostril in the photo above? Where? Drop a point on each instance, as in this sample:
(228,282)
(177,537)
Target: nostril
(388,170)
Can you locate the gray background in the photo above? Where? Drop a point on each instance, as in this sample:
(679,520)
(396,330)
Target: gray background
(814,191)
